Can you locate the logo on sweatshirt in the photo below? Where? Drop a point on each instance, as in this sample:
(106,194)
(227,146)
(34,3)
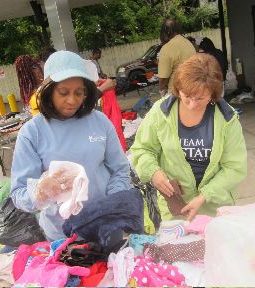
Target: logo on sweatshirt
(97,138)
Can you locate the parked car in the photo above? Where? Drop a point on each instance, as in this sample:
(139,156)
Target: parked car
(128,74)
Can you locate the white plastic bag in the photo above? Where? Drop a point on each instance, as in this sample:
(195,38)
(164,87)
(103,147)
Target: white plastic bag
(65,183)
(230,250)
(230,82)
(227,210)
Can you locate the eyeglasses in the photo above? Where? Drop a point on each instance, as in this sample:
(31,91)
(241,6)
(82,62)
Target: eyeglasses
(195,99)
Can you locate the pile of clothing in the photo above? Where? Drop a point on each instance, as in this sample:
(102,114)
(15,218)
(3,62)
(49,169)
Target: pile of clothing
(167,258)
(177,255)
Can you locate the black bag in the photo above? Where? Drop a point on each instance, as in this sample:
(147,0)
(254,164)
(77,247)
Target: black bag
(150,195)
(83,253)
(18,227)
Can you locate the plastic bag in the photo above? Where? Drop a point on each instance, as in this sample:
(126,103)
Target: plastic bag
(230,82)
(227,210)
(18,227)
(230,250)
(65,183)
(152,216)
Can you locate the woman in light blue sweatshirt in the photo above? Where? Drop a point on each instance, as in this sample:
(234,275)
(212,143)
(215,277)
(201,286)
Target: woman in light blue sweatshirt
(68,128)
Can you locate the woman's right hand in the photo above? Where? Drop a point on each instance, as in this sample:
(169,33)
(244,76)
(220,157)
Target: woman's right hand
(52,186)
(160,181)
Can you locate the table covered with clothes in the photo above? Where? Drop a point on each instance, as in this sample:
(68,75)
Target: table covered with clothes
(152,253)
(181,253)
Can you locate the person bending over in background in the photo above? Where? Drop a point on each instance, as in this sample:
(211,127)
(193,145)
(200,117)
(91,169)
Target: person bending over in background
(193,136)
(207,46)
(68,128)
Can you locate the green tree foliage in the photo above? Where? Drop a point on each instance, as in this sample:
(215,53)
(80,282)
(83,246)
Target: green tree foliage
(114,22)
(190,15)
(126,21)
(17,37)
(111,23)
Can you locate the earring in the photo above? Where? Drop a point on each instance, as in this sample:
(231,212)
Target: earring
(212,102)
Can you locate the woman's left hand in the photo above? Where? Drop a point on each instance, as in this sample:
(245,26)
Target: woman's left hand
(193,206)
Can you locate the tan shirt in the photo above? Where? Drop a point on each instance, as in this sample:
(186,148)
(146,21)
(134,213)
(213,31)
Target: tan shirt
(174,52)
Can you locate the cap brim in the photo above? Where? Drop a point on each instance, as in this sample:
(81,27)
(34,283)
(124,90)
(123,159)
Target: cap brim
(70,73)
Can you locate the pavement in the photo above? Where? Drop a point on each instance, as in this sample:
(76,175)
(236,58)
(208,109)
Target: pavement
(246,189)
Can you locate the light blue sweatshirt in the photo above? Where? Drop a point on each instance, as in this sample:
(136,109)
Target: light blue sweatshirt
(90,141)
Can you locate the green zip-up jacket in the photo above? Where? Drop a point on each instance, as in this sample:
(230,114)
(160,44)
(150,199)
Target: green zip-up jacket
(157,146)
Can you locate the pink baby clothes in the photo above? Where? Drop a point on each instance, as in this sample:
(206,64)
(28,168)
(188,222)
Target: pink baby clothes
(150,274)
(198,224)
(50,272)
(22,255)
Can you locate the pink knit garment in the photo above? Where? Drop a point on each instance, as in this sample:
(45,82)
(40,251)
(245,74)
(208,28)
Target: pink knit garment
(198,225)
(49,272)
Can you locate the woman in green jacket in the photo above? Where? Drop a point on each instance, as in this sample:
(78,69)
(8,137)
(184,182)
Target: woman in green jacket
(193,136)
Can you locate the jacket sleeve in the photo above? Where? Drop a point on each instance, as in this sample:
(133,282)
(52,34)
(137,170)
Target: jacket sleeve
(117,163)
(233,167)
(146,148)
(26,164)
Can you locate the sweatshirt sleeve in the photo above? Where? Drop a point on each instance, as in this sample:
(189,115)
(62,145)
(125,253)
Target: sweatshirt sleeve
(233,167)
(117,163)
(146,148)
(26,164)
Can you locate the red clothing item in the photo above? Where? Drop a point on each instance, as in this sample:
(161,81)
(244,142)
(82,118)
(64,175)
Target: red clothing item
(129,115)
(97,272)
(111,109)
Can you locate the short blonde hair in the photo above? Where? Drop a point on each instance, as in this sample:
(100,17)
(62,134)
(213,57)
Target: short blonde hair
(200,71)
